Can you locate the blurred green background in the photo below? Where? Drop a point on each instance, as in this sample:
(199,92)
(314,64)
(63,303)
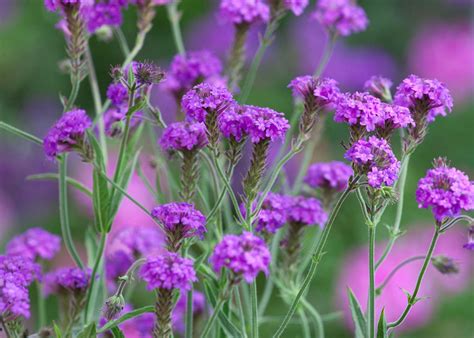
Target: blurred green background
(30,80)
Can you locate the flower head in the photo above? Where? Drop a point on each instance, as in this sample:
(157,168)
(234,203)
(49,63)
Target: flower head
(379,87)
(245,255)
(244,11)
(273,214)
(232,122)
(470,239)
(168,271)
(343,17)
(328,175)
(35,243)
(137,241)
(181,218)
(374,158)
(296,6)
(264,124)
(306,211)
(446,191)
(323,91)
(183,136)
(117,93)
(205,98)
(103,14)
(68,132)
(147,73)
(67,281)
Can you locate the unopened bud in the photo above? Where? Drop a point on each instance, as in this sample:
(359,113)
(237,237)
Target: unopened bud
(113,306)
(445,265)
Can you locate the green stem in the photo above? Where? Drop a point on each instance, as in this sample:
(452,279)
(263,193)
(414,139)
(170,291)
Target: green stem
(328,49)
(254,312)
(122,41)
(379,289)
(241,309)
(304,324)
(97,263)
(174,16)
(41,307)
(215,313)
(21,133)
(371,307)
(136,49)
(53,176)
(75,81)
(317,255)
(317,317)
(189,315)
(412,298)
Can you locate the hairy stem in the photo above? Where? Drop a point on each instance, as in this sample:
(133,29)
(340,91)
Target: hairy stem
(163,309)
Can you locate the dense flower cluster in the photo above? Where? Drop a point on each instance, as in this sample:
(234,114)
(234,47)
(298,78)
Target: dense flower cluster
(66,133)
(273,214)
(16,274)
(184,136)
(264,124)
(431,96)
(117,93)
(232,122)
(179,312)
(34,243)
(182,218)
(343,17)
(296,6)
(379,87)
(374,158)
(168,271)
(205,98)
(446,191)
(244,11)
(245,255)
(105,13)
(323,90)
(306,211)
(67,280)
(332,175)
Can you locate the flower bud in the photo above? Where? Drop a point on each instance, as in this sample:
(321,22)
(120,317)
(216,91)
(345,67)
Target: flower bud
(445,265)
(113,306)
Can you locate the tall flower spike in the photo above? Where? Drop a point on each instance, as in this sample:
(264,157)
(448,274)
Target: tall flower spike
(447,191)
(35,243)
(180,220)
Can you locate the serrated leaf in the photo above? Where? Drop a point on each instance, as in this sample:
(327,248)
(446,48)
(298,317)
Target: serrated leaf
(88,332)
(357,315)
(129,315)
(382,326)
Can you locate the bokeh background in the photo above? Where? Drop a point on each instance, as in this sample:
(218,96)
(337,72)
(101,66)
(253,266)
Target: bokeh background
(431,38)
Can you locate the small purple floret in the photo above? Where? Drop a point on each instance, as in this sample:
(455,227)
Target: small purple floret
(244,11)
(264,124)
(306,211)
(329,175)
(184,136)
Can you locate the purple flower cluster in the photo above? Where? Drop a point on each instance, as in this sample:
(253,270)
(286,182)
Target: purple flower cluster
(323,90)
(470,239)
(273,214)
(34,243)
(187,71)
(179,312)
(66,281)
(329,175)
(296,6)
(244,11)
(182,218)
(16,274)
(264,124)
(184,136)
(117,93)
(446,190)
(245,255)
(432,96)
(168,271)
(379,87)
(205,98)
(231,122)
(343,17)
(306,211)
(374,158)
(66,133)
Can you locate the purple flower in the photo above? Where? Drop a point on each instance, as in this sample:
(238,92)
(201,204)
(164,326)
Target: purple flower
(323,90)
(147,73)
(184,136)
(446,190)
(205,98)
(343,17)
(35,243)
(306,211)
(168,271)
(430,96)
(117,264)
(296,6)
(67,133)
(273,214)
(181,218)
(374,158)
(232,122)
(470,239)
(54,5)
(244,11)
(360,110)
(245,255)
(329,175)
(114,120)
(379,87)
(67,281)
(117,93)
(179,312)
(137,241)
(264,124)
(103,14)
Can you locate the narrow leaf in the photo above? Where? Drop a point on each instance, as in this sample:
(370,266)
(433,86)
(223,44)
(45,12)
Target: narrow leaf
(53,176)
(57,330)
(117,333)
(382,326)
(125,317)
(357,315)
(88,332)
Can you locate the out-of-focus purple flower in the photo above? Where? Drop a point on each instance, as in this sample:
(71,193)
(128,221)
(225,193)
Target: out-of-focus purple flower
(179,312)
(67,281)
(117,93)
(184,136)
(323,90)
(168,271)
(424,96)
(431,56)
(273,215)
(66,133)
(244,11)
(264,123)
(470,239)
(245,255)
(343,17)
(117,264)
(114,121)
(296,6)
(332,175)
(181,218)
(306,211)
(232,122)
(54,5)
(205,98)
(103,14)
(35,243)
(445,190)
(379,87)
(374,158)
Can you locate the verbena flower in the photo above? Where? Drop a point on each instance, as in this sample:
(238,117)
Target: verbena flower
(470,239)
(323,91)
(374,158)
(245,255)
(182,136)
(181,219)
(332,175)
(67,133)
(379,87)
(205,98)
(273,214)
(244,11)
(296,6)
(232,122)
(67,281)
(54,5)
(343,17)
(264,124)
(168,271)
(445,190)
(35,243)
(179,313)
(114,120)
(103,14)
(117,93)
(147,73)
(306,211)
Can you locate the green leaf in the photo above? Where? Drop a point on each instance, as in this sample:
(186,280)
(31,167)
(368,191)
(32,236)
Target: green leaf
(88,332)
(382,326)
(53,176)
(57,330)
(138,106)
(100,199)
(226,324)
(91,246)
(125,317)
(357,316)
(117,333)
(21,133)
